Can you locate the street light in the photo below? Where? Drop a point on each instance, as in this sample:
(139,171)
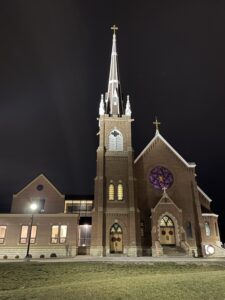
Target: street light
(33,207)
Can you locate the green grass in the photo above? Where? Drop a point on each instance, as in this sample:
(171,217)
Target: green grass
(77,280)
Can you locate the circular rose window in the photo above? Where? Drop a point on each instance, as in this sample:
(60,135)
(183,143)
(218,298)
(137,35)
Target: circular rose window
(160,177)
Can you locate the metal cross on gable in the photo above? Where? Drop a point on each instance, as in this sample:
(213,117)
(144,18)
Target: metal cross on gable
(156,123)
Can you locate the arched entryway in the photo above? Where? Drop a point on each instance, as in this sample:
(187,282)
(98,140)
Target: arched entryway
(116,239)
(167,231)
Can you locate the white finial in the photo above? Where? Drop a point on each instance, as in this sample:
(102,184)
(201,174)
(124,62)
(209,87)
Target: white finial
(101,106)
(128,109)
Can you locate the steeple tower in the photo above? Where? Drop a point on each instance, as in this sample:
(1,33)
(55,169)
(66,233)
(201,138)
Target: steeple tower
(115,198)
(113,96)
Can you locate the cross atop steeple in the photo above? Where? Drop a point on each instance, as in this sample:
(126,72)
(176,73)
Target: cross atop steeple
(156,123)
(114,28)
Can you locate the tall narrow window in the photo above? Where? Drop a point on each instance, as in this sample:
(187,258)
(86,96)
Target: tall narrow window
(33,234)
(142,228)
(189,230)
(120,192)
(115,141)
(111,192)
(2,234)
(55,234)
(63,233)
(207,229)
(42,205)
(24,234)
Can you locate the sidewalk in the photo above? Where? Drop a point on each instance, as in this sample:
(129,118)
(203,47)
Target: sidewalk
(142,259)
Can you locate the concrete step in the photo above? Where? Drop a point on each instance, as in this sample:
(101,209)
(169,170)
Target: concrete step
(116,255)
(173,251)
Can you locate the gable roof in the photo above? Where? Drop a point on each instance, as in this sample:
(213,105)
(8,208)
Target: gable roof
(160,137)
(169,201)
(42,176)
(204,194)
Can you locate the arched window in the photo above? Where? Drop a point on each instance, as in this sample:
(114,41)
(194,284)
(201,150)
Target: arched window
(189,230)
(111,192)
(120,192)
(207,229)
(166,222)
(115,141)
(116,228)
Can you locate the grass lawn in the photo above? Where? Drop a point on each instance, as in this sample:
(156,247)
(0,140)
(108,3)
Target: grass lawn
(77,280)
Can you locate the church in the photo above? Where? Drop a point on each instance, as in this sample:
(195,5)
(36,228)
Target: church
(144,205)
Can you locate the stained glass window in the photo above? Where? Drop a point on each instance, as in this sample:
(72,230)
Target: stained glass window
(116,228)
(115,141)
(160,177)
(120,192)
(111,192)
(166,222)
(207,229)
(162,223)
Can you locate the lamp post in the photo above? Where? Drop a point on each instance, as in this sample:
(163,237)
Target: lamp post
(33,207)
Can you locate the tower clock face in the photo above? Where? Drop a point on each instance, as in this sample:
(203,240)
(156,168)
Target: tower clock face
(160,177)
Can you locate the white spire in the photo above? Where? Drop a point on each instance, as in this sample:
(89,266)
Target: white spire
(101,106)
(113,84)
(128,108)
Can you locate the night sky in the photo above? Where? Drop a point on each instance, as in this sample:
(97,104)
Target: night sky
(54,64)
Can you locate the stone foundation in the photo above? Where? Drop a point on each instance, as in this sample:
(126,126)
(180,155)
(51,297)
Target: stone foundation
(97,251)
(20,252)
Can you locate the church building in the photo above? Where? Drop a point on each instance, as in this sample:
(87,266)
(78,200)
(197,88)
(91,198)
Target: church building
(145,205)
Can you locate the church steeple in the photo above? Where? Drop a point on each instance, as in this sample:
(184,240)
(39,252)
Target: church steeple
(114,97)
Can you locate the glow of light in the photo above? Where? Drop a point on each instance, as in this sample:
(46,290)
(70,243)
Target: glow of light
(210,249)
(33,206)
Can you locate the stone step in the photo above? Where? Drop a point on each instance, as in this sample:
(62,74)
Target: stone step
(173,251)
(117,255)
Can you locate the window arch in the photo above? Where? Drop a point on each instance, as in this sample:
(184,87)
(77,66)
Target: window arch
(115,141)
(111,192)
(166,222)
(207,229)
(120,192)
(116,228)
